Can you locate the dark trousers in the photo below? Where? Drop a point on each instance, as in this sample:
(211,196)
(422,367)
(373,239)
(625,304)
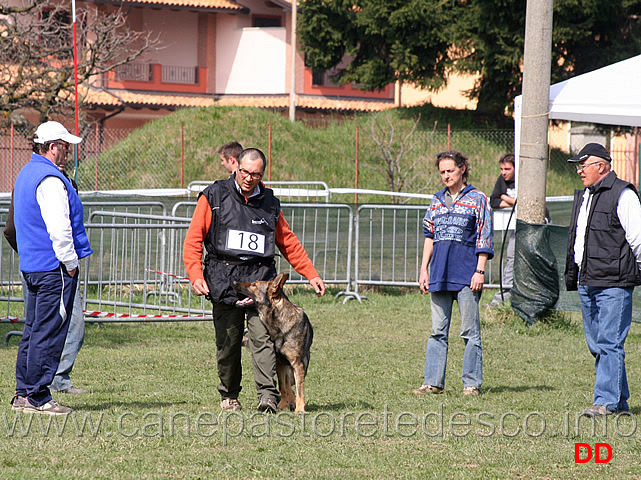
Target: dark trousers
(49,307)
(229,323)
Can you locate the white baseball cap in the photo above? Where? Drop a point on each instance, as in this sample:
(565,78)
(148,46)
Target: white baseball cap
(51,131)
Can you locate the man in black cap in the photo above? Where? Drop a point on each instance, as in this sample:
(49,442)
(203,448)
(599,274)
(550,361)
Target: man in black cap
(603,261)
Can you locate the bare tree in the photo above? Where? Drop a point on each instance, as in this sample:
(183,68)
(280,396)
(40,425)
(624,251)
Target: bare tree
(401,157)
(36,55)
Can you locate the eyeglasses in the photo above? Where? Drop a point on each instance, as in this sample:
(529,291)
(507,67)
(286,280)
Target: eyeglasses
(585,165)
(253,175)
(63,145)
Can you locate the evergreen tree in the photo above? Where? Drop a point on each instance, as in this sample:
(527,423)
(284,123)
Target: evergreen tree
(421,41)
(386,40)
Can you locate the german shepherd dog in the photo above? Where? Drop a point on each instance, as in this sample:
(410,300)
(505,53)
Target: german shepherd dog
(291,332)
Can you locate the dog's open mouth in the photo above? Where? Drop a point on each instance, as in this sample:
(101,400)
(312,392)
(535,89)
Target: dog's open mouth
(245,302)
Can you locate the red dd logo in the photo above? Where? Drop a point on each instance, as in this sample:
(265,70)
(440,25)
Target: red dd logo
(585,448)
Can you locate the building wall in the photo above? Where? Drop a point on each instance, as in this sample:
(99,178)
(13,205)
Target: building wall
(452,96)
(178,31)
(249,60)
(207,48)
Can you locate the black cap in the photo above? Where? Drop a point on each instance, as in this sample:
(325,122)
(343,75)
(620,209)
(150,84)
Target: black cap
(591,150)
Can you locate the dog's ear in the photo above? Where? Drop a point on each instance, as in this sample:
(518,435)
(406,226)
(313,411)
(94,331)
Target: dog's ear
(276,285)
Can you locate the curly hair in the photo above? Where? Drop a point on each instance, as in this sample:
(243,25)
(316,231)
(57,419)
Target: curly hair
(459,159)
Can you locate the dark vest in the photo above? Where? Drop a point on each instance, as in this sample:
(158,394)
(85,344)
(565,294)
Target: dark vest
(608,260)
(241,242)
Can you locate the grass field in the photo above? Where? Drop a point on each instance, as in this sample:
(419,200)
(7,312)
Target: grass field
(153,407)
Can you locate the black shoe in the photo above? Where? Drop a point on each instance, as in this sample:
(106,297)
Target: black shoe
(267,405)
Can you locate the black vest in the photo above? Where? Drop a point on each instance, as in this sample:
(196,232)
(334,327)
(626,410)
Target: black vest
(241,242)
(608,260)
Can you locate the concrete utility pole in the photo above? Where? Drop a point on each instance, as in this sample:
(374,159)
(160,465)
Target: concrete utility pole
(537,58)
(292,88)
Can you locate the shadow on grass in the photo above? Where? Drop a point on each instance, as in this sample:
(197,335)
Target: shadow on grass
(141,405)
(518,388)
(310,407)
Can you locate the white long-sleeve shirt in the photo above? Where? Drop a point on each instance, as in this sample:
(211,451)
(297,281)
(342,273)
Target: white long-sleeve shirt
(629,213)
(51,195)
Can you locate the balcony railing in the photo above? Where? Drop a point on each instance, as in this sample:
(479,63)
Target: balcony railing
(184,75)
(144,72)
(140,72)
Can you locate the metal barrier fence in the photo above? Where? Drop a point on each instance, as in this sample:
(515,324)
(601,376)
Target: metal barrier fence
(136,270)
(296,191)
(137,274)
(137,267)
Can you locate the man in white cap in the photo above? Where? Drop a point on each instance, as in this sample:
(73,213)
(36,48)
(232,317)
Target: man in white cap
(51,238)
(603,260)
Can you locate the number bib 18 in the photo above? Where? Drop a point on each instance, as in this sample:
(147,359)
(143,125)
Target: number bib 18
(246,241)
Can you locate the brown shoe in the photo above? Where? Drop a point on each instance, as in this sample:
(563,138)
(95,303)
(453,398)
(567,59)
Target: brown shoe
(597,411)
(471,391)
(427,389)
(18,402)
(50,408)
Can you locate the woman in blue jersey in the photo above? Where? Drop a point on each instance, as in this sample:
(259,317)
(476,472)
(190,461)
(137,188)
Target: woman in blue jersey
(458,243)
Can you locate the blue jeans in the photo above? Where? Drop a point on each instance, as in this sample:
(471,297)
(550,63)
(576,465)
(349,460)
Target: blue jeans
(73,342)
(437,344)
(607,315)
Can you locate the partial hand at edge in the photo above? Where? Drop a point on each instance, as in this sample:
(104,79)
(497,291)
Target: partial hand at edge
(319,286)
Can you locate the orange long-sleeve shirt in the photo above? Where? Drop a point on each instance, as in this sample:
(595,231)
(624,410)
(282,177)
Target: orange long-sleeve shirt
(286,241)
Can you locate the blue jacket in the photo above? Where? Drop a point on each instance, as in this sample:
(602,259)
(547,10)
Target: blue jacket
(34,245)
(459,235)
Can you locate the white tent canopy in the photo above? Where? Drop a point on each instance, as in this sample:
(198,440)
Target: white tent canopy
(610,95)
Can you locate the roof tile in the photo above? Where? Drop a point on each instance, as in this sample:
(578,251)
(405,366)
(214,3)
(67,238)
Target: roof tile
(126,97)
(219,4)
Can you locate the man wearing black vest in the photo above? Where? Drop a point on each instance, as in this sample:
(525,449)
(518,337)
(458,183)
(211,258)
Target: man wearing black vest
(240,223)
(603,261)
